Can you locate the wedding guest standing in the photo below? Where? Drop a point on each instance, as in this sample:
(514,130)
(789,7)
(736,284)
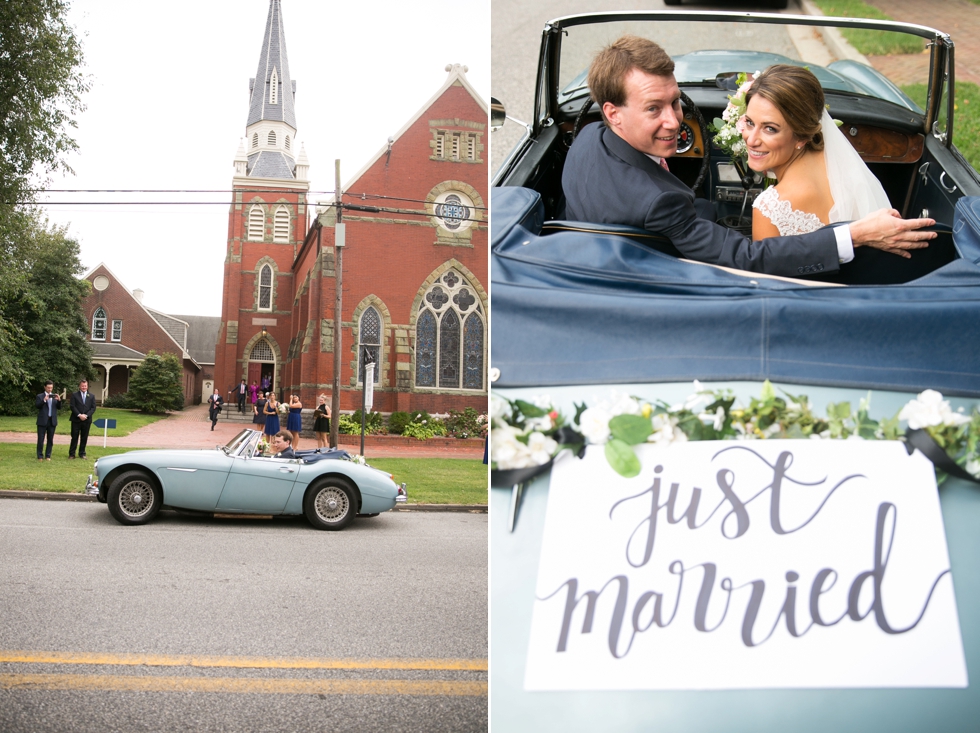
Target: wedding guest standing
(82,405)
(258,410)
(321,422)
(47,405)
(271,412)
(253,391)
(294,422)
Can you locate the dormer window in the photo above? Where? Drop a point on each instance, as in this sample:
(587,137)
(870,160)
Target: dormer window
(255,140)
(272,138)
(274,88)
(287,142)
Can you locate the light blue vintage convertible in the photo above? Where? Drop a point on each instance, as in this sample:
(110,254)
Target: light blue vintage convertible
(329,488)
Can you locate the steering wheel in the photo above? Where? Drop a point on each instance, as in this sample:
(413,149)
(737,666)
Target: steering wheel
(692,110)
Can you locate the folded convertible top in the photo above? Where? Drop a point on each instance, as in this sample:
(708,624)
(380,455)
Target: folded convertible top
(575,307)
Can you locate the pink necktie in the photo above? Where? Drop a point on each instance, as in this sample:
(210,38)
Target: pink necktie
(663,164)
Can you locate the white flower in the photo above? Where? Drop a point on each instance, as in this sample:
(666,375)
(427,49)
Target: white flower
(542,401)
(930,409)
(541,447)
(542,423)
(499,410)
(973,466)
(593,423)
(509,452)
(719,422)
(665,431)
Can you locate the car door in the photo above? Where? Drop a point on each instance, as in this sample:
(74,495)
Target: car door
(258,485)
(194,479)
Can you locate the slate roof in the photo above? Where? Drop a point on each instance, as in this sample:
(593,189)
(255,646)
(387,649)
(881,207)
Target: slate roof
(114,351)
(174,326)
(272,56)
(270,164)
(202,334)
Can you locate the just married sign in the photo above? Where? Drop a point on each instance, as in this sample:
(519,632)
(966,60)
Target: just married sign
(763,564)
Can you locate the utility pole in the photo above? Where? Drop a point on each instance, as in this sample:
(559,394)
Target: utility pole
(338,247)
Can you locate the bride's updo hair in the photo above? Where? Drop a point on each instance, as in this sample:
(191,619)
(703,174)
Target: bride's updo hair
(797,94)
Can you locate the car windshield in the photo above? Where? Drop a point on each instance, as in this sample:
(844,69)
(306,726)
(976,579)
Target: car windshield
(235,444)
(886,65)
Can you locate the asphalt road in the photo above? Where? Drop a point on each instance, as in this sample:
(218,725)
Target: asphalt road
(258,625)
(516,40)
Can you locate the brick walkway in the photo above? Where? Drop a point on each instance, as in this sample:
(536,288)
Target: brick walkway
(959,18)
(191,428)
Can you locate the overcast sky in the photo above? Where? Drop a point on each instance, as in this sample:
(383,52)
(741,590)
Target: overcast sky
(169,102)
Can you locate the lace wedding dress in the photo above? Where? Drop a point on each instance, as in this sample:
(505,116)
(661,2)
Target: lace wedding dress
(854,188)
(784,217)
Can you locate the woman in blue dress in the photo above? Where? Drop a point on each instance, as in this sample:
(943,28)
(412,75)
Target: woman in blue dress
(294,423)
(258,411)
(271,412)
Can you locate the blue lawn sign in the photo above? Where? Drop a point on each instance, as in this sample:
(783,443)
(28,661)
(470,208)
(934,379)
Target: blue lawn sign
(105,423)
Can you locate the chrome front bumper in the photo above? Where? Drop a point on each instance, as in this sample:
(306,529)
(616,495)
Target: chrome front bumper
(92,487)
(402,494)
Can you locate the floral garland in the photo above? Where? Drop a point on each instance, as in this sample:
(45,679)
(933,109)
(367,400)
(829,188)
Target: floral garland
(528,435)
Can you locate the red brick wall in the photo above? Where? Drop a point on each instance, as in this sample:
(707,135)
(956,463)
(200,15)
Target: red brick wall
(390,261)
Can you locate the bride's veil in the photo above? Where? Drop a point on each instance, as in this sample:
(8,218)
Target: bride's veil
(855,189)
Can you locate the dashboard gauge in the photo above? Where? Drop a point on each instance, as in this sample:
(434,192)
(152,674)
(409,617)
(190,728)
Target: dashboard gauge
(685,138)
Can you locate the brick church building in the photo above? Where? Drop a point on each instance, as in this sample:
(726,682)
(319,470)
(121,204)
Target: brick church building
(414,258)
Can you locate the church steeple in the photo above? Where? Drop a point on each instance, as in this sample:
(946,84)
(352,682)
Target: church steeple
(270,132)
(272,90)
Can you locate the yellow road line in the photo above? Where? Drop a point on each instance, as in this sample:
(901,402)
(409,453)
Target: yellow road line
(279,686)
(195,660)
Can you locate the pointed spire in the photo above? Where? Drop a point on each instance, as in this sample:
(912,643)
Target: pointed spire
(272,88)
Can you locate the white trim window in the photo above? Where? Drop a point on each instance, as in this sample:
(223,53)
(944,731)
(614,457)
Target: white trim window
(117,330)
(265,288)
(280,225)
(99,324)
(450,336)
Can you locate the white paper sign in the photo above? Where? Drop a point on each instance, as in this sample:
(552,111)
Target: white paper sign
(757,564)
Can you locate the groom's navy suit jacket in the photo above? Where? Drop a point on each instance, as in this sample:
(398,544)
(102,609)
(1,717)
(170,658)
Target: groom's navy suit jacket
(607,181)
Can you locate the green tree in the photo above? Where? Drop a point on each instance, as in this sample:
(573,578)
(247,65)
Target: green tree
(157,385)
(41,88)
(45,304)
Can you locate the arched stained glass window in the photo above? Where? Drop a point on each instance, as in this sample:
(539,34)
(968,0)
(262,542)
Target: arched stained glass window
(450,336)
(473,352)
(265,288)
(262,351)
(369,335)
(425,350)
(98,324)
(449,350)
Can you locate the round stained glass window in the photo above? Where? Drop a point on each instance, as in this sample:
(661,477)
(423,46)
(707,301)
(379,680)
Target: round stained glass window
(454,211)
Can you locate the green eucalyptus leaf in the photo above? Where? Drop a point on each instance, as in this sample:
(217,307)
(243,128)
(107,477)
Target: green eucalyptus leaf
(631,429)
(622,458)
(529,410)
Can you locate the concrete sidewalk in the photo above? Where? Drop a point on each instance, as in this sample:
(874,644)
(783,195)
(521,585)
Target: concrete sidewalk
(191,429)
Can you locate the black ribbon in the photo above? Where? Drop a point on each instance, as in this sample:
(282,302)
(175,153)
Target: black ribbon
(921,440)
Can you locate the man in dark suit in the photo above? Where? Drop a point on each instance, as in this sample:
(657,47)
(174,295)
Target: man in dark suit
(214,407)
(47,404)
(240,392)
(282,444)
(617,173)
(82,405)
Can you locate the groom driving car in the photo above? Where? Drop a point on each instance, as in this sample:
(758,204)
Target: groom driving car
(617,173)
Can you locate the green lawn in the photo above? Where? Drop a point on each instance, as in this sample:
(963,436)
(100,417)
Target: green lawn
(966,117)
(126,422)
(430,480)
(870,43)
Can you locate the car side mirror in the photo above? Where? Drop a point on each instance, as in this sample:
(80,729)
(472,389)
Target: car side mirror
(498,115)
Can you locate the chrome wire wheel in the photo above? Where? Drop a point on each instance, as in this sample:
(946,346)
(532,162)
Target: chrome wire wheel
(136,499)
(331,504)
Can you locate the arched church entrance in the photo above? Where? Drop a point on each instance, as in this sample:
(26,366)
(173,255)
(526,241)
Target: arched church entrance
(262,365)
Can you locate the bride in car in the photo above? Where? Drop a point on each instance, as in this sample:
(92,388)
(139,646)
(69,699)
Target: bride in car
(790,136)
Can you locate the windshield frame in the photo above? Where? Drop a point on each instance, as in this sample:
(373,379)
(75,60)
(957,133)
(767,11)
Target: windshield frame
(548,95)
